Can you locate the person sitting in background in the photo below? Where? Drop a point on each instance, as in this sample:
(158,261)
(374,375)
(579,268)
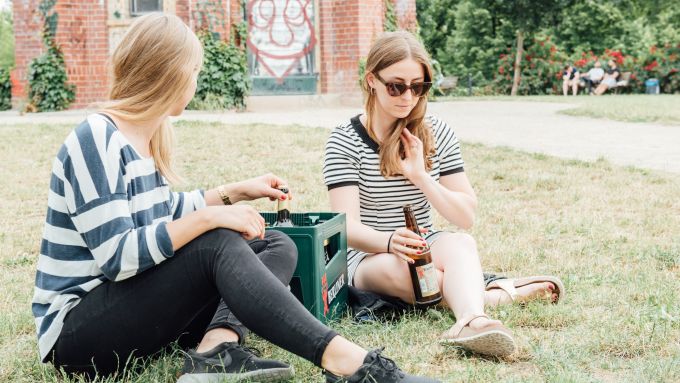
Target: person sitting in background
(610,78)
(570,77)
(594,76)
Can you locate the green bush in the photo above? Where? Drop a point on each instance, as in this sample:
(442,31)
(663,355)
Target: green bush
(390,19)
(223,82)
(541,70)
(5,90)
(47,87)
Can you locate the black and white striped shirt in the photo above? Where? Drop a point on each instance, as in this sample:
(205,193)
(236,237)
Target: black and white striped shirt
(352,158)
(107,212)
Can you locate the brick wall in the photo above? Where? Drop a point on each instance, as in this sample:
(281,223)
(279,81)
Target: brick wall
(27,44)
(346,30)
(82,35)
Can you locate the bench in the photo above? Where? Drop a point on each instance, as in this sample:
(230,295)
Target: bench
(446,84)
(623,81)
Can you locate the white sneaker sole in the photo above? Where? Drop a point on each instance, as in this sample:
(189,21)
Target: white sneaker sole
(262,376)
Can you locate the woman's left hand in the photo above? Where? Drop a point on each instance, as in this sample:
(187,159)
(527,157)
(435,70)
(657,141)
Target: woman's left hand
(413,164)
(263,186)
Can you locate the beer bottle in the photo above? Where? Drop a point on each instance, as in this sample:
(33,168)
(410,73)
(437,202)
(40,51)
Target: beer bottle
(282,211)
(423,272)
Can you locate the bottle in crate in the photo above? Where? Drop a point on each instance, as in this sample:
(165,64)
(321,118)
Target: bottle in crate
(283,211)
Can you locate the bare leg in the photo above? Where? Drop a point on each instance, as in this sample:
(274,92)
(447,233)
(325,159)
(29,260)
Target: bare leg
(462,285)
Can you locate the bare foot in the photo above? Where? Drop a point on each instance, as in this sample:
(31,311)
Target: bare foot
(532,291)
(482,322)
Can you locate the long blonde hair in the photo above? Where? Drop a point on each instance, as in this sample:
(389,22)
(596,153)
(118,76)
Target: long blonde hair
(391,48)
(150,70)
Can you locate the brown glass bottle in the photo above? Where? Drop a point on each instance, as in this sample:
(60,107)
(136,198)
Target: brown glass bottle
(282,211)
(423,272)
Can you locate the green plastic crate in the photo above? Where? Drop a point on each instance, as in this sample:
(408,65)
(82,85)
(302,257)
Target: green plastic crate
(321,287)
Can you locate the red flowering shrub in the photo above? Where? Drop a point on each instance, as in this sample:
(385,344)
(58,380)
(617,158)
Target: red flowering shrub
(541,69)
(544,62)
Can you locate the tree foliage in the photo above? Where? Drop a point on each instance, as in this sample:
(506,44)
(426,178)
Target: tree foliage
(481,37)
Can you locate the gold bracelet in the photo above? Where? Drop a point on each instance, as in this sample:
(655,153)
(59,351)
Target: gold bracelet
(223,195)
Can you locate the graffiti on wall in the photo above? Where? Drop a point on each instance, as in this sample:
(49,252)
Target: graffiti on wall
(281,38)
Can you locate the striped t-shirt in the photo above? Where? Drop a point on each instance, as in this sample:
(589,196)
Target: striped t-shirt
(352,158)
(106,221)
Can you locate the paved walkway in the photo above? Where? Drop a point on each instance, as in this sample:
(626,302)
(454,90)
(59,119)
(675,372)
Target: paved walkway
(528,126)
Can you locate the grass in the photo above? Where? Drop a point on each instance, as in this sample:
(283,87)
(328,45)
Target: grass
(662,109)
(611,233)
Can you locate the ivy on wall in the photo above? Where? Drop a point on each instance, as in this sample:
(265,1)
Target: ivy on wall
(48,89)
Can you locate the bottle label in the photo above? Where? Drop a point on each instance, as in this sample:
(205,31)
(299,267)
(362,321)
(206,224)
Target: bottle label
(427,278)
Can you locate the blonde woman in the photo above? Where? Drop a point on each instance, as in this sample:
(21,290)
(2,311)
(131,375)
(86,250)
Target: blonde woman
(393,155)
(127,266)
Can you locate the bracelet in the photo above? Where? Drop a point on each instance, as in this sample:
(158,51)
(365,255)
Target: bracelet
(223,196)
(390,240)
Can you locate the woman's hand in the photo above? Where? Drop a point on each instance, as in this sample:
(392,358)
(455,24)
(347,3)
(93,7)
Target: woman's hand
(263,186)
(241,218)
(404,242)
(413,164)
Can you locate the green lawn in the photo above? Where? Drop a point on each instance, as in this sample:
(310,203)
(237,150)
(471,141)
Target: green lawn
(611,233)
(662,109)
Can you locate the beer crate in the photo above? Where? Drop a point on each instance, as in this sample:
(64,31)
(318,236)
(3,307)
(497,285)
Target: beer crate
(321,286)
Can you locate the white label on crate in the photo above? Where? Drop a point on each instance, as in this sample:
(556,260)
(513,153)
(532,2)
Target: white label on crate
(335,289)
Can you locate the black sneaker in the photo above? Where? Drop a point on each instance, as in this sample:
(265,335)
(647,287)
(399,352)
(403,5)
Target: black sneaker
(378,369)
(232,362)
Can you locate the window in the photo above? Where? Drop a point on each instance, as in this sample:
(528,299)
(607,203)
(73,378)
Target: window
(140,7)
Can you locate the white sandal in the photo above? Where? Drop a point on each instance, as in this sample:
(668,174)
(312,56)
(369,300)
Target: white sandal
(510,285)
(493,339)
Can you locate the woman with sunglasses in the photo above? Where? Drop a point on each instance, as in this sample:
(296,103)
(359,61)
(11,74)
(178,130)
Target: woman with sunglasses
(393,155)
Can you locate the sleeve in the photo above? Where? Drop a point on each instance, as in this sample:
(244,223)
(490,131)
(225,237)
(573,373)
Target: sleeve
(99,208)
(448,148)
(184,203)
(341,160)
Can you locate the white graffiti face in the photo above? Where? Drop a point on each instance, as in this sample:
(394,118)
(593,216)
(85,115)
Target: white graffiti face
(280,36)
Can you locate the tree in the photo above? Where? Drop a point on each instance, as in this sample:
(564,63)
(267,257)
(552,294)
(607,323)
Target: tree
(472,48)
(436,21)
(527,17)
(591,26)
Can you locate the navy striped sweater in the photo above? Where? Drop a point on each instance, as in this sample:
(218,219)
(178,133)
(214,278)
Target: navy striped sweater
(106,221)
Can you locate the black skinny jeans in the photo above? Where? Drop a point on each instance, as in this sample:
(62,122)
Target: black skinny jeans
(185,296)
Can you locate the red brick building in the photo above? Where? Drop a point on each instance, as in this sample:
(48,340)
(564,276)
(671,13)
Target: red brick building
(294,46)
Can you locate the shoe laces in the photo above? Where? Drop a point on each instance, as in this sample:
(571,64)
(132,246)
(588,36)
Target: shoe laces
(387,365)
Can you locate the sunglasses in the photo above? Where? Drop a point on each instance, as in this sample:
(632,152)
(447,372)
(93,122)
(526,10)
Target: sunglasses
(395,89)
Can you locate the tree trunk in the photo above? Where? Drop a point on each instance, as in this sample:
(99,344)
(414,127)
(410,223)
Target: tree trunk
(518,61)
